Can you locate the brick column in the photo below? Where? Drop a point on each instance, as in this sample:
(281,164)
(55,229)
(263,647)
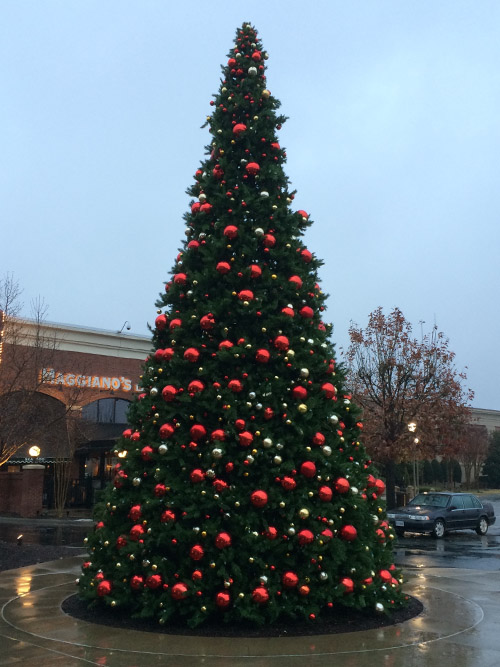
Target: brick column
(32,491)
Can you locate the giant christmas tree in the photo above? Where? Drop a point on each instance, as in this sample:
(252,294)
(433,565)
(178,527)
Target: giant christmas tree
(244,492)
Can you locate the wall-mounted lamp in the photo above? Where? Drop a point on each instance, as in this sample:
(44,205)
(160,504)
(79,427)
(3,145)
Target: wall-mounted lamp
(126,325)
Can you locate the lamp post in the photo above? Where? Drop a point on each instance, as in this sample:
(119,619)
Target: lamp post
(412,427)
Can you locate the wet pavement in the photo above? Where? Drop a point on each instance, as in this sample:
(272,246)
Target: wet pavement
(458,626)
(456,578)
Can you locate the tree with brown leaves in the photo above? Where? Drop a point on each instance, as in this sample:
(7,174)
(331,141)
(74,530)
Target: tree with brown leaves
(399,380)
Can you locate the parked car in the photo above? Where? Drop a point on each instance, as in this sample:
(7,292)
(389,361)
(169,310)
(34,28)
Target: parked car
(436,513)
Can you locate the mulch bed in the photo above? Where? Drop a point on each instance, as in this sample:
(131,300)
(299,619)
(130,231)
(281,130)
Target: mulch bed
(335,621)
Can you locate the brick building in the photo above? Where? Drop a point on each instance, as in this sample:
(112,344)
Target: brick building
(65,390)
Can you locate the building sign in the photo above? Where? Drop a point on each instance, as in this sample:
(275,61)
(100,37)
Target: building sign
(60,378)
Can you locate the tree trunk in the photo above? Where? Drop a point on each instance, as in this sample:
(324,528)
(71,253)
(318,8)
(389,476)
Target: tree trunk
(390,484)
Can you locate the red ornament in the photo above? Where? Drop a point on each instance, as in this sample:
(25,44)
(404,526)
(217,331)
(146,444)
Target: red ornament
(166,431)
(167,516)
(256,56)
(198,431)
(197,575)
(223,267)
(225,345)
(325,493)
(379,487)
(289,312)
(121,542)
(342,485)
(127,433)
(245,295)
(290,579)
(262,356)
(222,540)
(348,533)
(385,575)
(197,476)
(230,232)
(296,282)
(206,207)
(104,588)
(288,483)
(259,498)
(174,324)
(370,481)
(191,354)
(195,386)
(328,389)
(239,128)
(220,485)
(222,599)
(380,535)
(195,207)
(197,552)
(137,583)
(136,532)
(235,385)
(306,312)
(319,439)
(160,490)
(305,537)
(303,214)
(207,322)
(271,533)
(255,271)
(135,436)
(154,581)
(268,413)
(146,453)
(300,393)
(135,513)
(348,584)
(193,245)
(161,322)
(281,342)
(179,591)
(239,424)
(306,255)
(180,279)
(252,168)
(269,241)
(245,438)
(218,172)
(327,534)
(260,595)
(308,469)
(218,434)
(169,393)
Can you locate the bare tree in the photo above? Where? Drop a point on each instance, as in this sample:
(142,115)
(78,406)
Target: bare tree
(26,347)
(472,451)
(398,380)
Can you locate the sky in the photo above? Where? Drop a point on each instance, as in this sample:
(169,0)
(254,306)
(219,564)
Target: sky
(393,145)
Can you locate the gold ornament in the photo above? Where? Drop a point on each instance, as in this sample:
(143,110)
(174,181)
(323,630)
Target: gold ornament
(266,93)
(302,408)
(303,513)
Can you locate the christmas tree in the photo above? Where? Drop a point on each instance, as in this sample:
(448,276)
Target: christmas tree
(244,492)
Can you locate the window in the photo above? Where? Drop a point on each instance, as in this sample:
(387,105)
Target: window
(106,411)
(458,502)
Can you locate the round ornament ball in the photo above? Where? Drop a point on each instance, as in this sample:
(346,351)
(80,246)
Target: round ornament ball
(308,469)
(348,533)
(179,591)
(259,498)
(191,354)
(342,485)
(305,537)
(300,393)
(169,393)
(252,71)
(252,168)
(222,599)
(104,588)
(281,343)
(347,584)
(325,493)
(262,356)
(230,231)
(260,595)
(239,128)
(153,581)
(136,582)
(222,540)
(290,579)
(196,552)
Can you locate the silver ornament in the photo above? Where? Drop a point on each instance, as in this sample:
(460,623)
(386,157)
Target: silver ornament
(264,193)
(334,419)
(153,391)
(251,395)
(291,531)
(379,607)
(136,481)
(267,442)
(277,460)
(327,450)
(252,71)
(258,406)
(259,231)
(250,458)
(304,372)
(279,446)
(323,576)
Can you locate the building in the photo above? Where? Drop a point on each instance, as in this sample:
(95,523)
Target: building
(64,395)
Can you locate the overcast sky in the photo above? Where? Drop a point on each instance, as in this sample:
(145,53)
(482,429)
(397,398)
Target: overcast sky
(393,144)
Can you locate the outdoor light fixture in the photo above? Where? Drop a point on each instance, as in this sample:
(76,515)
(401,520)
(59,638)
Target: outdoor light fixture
(125,324)
(34,451)
(412,427)
(19,540)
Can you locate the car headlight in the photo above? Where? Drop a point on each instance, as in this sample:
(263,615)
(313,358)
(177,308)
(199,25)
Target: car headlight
(419,517)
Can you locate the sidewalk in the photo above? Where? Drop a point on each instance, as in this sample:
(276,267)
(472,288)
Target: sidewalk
(459,627)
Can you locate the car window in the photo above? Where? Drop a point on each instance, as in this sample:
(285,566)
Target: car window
(468,502)
(430,500)
(458,502)
(476,502)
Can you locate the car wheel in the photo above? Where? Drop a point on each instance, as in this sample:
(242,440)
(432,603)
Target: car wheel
(439,529)
(482,526)
(400,532)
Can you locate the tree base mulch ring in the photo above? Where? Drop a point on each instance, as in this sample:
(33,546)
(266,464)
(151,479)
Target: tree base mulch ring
(334,621)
